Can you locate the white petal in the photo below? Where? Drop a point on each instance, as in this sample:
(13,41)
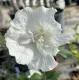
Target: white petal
(21,18)
(19,23)
(24,39)
(22,54)
(61,39)
(48,63)
(12,46)
(51,51)
(44,19)
(64,39)
(45,63)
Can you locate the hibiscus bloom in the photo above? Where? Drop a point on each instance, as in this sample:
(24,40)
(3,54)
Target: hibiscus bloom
(34,37)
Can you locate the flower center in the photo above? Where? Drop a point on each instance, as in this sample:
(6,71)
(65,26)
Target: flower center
(40,42)
(39,39)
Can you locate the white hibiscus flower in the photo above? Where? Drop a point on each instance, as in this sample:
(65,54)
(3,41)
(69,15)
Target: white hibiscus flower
(34,38)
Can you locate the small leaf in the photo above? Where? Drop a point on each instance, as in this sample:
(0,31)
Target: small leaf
(36,77)
(65,53)
(75,27)
(22,77)
(52,75)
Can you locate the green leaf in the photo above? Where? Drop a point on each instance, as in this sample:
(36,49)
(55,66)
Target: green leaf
(52,75)
(36,77)
(22,77)
(75,27)
(65,53)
